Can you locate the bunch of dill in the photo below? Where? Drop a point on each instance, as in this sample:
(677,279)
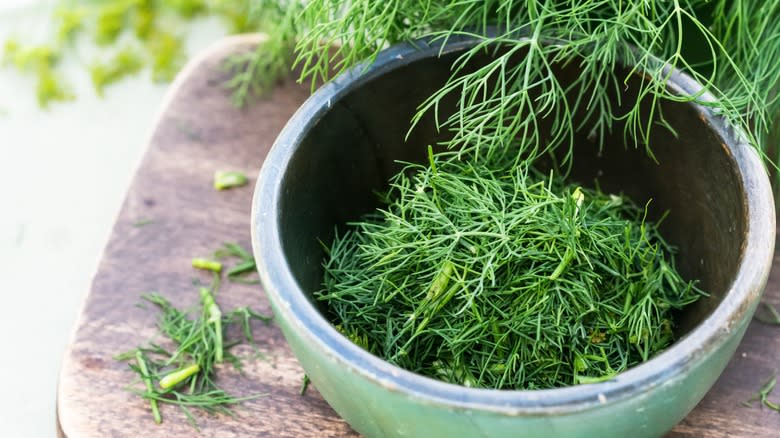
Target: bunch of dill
(490,274)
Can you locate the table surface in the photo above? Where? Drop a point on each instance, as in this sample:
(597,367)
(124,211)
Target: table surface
(197,133)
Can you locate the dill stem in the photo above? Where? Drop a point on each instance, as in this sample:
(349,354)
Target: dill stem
(305,384)
(215,317)
(207,265)
(174,378)
(228,180)
(148,382)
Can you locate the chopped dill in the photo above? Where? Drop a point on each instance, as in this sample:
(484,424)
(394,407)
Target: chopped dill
(245,267)
(490,274)
(110,21)
(184,373)
(304,385)
(167,56)
(224,180)
(763,395)
(156,26)
(50,88)
(207,265)
(126,62)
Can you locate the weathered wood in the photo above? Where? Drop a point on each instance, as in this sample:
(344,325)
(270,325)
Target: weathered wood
(200,132)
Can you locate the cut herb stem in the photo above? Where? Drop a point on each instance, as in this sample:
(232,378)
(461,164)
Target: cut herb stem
(172,379)
(228,180)
(207,265)
(139,357)
(214,317)
(305,384)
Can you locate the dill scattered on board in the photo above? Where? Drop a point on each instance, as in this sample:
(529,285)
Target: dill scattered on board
(182,370)
(224,180)
(490,274)
(246,267)
(763,394)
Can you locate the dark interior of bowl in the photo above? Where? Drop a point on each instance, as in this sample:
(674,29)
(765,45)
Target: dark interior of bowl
(352,151)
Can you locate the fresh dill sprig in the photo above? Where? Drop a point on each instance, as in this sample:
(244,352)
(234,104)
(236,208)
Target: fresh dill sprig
(725,45)
(253,72)
(763,395)
(207,265)
(167,55)
(485,273)
(185,375)
(127,62)
(244,268)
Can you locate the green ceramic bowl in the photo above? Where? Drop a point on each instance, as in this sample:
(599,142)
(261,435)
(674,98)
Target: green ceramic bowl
(342,145)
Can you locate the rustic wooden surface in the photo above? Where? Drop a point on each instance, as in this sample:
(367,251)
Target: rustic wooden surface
(199,132)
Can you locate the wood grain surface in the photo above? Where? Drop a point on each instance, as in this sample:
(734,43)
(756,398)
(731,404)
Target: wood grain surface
(197,133)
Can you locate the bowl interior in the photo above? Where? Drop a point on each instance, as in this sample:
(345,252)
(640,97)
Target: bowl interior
(351,150)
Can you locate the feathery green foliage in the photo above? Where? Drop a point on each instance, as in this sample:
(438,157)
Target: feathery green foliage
(185,374)
(489,274)
(724,45)
(763,394)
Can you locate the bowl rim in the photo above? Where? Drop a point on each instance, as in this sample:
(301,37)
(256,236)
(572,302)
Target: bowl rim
(670,365)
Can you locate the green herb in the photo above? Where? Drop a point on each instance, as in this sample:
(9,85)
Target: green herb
(305,384)
(144,19)
(207,265)
(175,377)
(489,274)
(189,8)
(142,223)
(144,371)
(50,88)
(185,375)
(763,395)
(168,56)
(254,72)
(126,62)
(771,316)
(228,180)
(726,46)
(111,21)
(69,23)
(214,317)
(246,265)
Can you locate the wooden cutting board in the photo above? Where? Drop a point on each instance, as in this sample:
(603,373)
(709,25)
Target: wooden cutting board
(198,132)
